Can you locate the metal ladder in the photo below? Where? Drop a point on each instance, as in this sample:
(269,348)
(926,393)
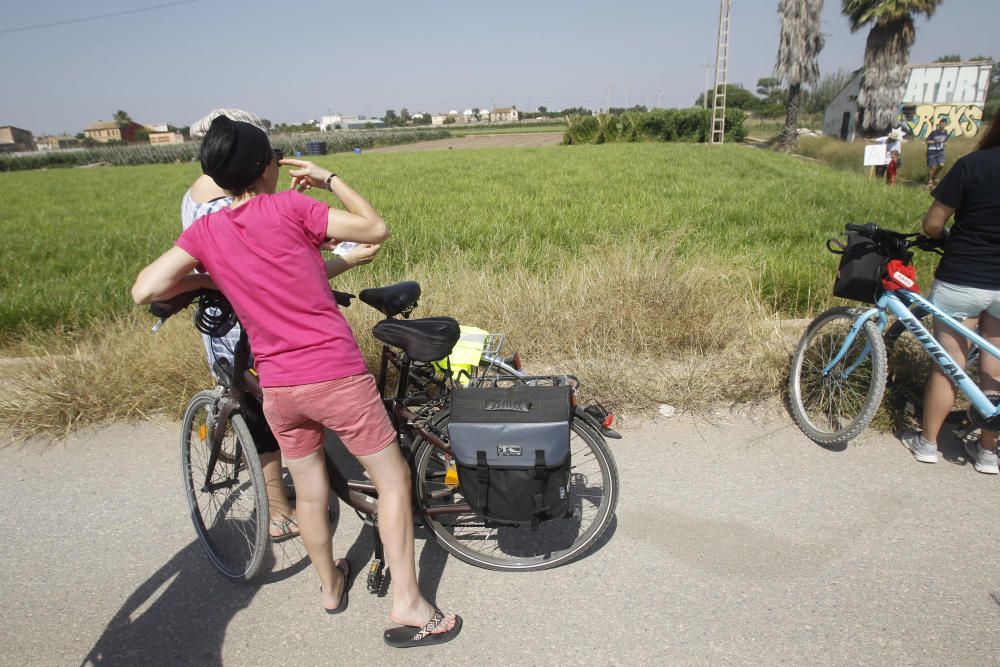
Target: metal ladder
(721,75)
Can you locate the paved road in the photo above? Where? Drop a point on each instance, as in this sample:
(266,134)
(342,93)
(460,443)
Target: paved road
(737,541)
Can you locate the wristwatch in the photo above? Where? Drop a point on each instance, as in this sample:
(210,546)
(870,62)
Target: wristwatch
(329,178)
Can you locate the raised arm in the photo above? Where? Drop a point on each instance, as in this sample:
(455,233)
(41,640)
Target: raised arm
(169,275)
(359,223)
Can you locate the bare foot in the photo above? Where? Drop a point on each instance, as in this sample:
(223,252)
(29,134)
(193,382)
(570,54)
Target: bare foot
(282,528)
(418,616)
(331,598)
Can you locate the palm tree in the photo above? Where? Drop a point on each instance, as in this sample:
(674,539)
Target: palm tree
(799,45)
(886,53)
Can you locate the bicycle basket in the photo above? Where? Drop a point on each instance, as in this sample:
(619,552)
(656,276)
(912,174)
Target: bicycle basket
(859,276)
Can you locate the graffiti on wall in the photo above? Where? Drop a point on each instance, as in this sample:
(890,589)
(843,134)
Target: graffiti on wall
(957,84)
(962,120)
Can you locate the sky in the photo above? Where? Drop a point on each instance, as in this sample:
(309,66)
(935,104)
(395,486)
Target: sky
(172,61)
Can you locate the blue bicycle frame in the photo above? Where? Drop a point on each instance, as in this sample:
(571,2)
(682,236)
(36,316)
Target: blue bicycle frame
(898,302)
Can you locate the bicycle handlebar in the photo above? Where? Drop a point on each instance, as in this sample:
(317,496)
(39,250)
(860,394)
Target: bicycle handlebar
(166,309)
(895,244)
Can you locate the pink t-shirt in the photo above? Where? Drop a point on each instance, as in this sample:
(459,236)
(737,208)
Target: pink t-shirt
(264,257)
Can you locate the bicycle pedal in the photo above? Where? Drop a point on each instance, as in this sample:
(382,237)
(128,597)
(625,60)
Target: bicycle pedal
(375,576)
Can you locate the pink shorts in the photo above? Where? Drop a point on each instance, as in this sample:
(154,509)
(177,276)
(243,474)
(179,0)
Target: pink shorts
(350,407)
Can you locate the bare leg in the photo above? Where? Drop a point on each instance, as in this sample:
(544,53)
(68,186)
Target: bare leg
(277,497)
(312,493)
(989,371)
(939,396)
(391,476)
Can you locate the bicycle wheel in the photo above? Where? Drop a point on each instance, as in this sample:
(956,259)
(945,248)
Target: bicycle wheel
(593,487)
(229,506)
(909,368)
(835,407)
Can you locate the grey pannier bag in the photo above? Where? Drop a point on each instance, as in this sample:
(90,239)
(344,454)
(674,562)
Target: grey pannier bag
(511,447)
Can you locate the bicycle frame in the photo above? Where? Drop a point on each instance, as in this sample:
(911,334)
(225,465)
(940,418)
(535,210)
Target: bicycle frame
(898,302)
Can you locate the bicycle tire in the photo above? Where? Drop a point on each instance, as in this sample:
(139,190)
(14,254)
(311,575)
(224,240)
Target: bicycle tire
(835,408)
(231,521)
(519,549)
(909,367)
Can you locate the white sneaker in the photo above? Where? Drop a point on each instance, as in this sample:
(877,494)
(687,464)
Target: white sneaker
(923,451)
(981,459)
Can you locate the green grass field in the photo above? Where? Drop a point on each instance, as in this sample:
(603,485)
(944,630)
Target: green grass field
(653,271)
(76,238)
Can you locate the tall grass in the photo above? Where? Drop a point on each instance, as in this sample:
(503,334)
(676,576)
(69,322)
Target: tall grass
(657,333)
(842,155)
(651,269)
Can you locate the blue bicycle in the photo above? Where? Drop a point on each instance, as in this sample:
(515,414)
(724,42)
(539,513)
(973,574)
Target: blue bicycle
(839,369)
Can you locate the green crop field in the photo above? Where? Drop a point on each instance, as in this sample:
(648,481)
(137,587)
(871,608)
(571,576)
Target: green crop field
(76,238)
(650,269)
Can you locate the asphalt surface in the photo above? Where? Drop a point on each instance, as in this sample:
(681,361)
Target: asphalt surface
(736,541)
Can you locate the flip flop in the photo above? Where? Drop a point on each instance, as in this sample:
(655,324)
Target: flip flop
(343,596)
(407,636)
(286,528)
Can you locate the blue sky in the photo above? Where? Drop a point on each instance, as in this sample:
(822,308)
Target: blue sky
(291,62)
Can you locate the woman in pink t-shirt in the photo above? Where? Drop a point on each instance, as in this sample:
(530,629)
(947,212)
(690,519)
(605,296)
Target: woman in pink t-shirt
(263,253)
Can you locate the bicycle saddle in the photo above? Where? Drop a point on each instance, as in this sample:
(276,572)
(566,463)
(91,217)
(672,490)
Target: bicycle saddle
(426,339)
(392,300)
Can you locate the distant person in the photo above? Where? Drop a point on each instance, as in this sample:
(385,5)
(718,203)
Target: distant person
(966,287)
(893,142)
(204,197)
(890,169)
(935,151)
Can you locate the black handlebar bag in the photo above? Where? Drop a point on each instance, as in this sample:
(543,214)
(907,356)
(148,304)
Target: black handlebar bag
(859,276)
(511,447)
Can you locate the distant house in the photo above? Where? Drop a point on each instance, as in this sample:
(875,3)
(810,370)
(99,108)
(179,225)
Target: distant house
(340,122)
(452,117)
(104,131)
(166,138)
(505,115)
(954,92)
(15,139)
(54,142)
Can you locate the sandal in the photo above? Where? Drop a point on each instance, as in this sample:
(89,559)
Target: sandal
(287,529)
(406,636)
(342,605)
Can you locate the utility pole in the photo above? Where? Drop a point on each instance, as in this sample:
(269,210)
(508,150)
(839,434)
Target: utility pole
(721,74)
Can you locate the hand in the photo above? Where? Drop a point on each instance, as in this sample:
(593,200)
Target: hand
(363,254)
(306,175)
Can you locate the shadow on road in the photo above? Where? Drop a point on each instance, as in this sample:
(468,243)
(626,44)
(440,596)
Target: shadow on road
(177,616)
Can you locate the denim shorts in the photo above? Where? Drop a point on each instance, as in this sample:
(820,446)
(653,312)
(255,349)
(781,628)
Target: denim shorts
(964,302)
(935,160)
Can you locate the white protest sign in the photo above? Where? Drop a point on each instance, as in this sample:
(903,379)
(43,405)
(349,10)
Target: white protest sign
(875,155)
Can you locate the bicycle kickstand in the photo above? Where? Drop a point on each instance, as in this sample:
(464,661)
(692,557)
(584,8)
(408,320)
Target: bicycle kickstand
(378,574)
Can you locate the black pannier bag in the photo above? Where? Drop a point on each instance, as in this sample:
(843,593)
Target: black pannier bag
(511,447)
(859,276)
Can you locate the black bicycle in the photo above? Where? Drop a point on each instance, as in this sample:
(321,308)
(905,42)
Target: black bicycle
(224,483)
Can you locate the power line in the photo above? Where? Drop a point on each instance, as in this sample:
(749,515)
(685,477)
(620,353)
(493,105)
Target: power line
(95,18)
